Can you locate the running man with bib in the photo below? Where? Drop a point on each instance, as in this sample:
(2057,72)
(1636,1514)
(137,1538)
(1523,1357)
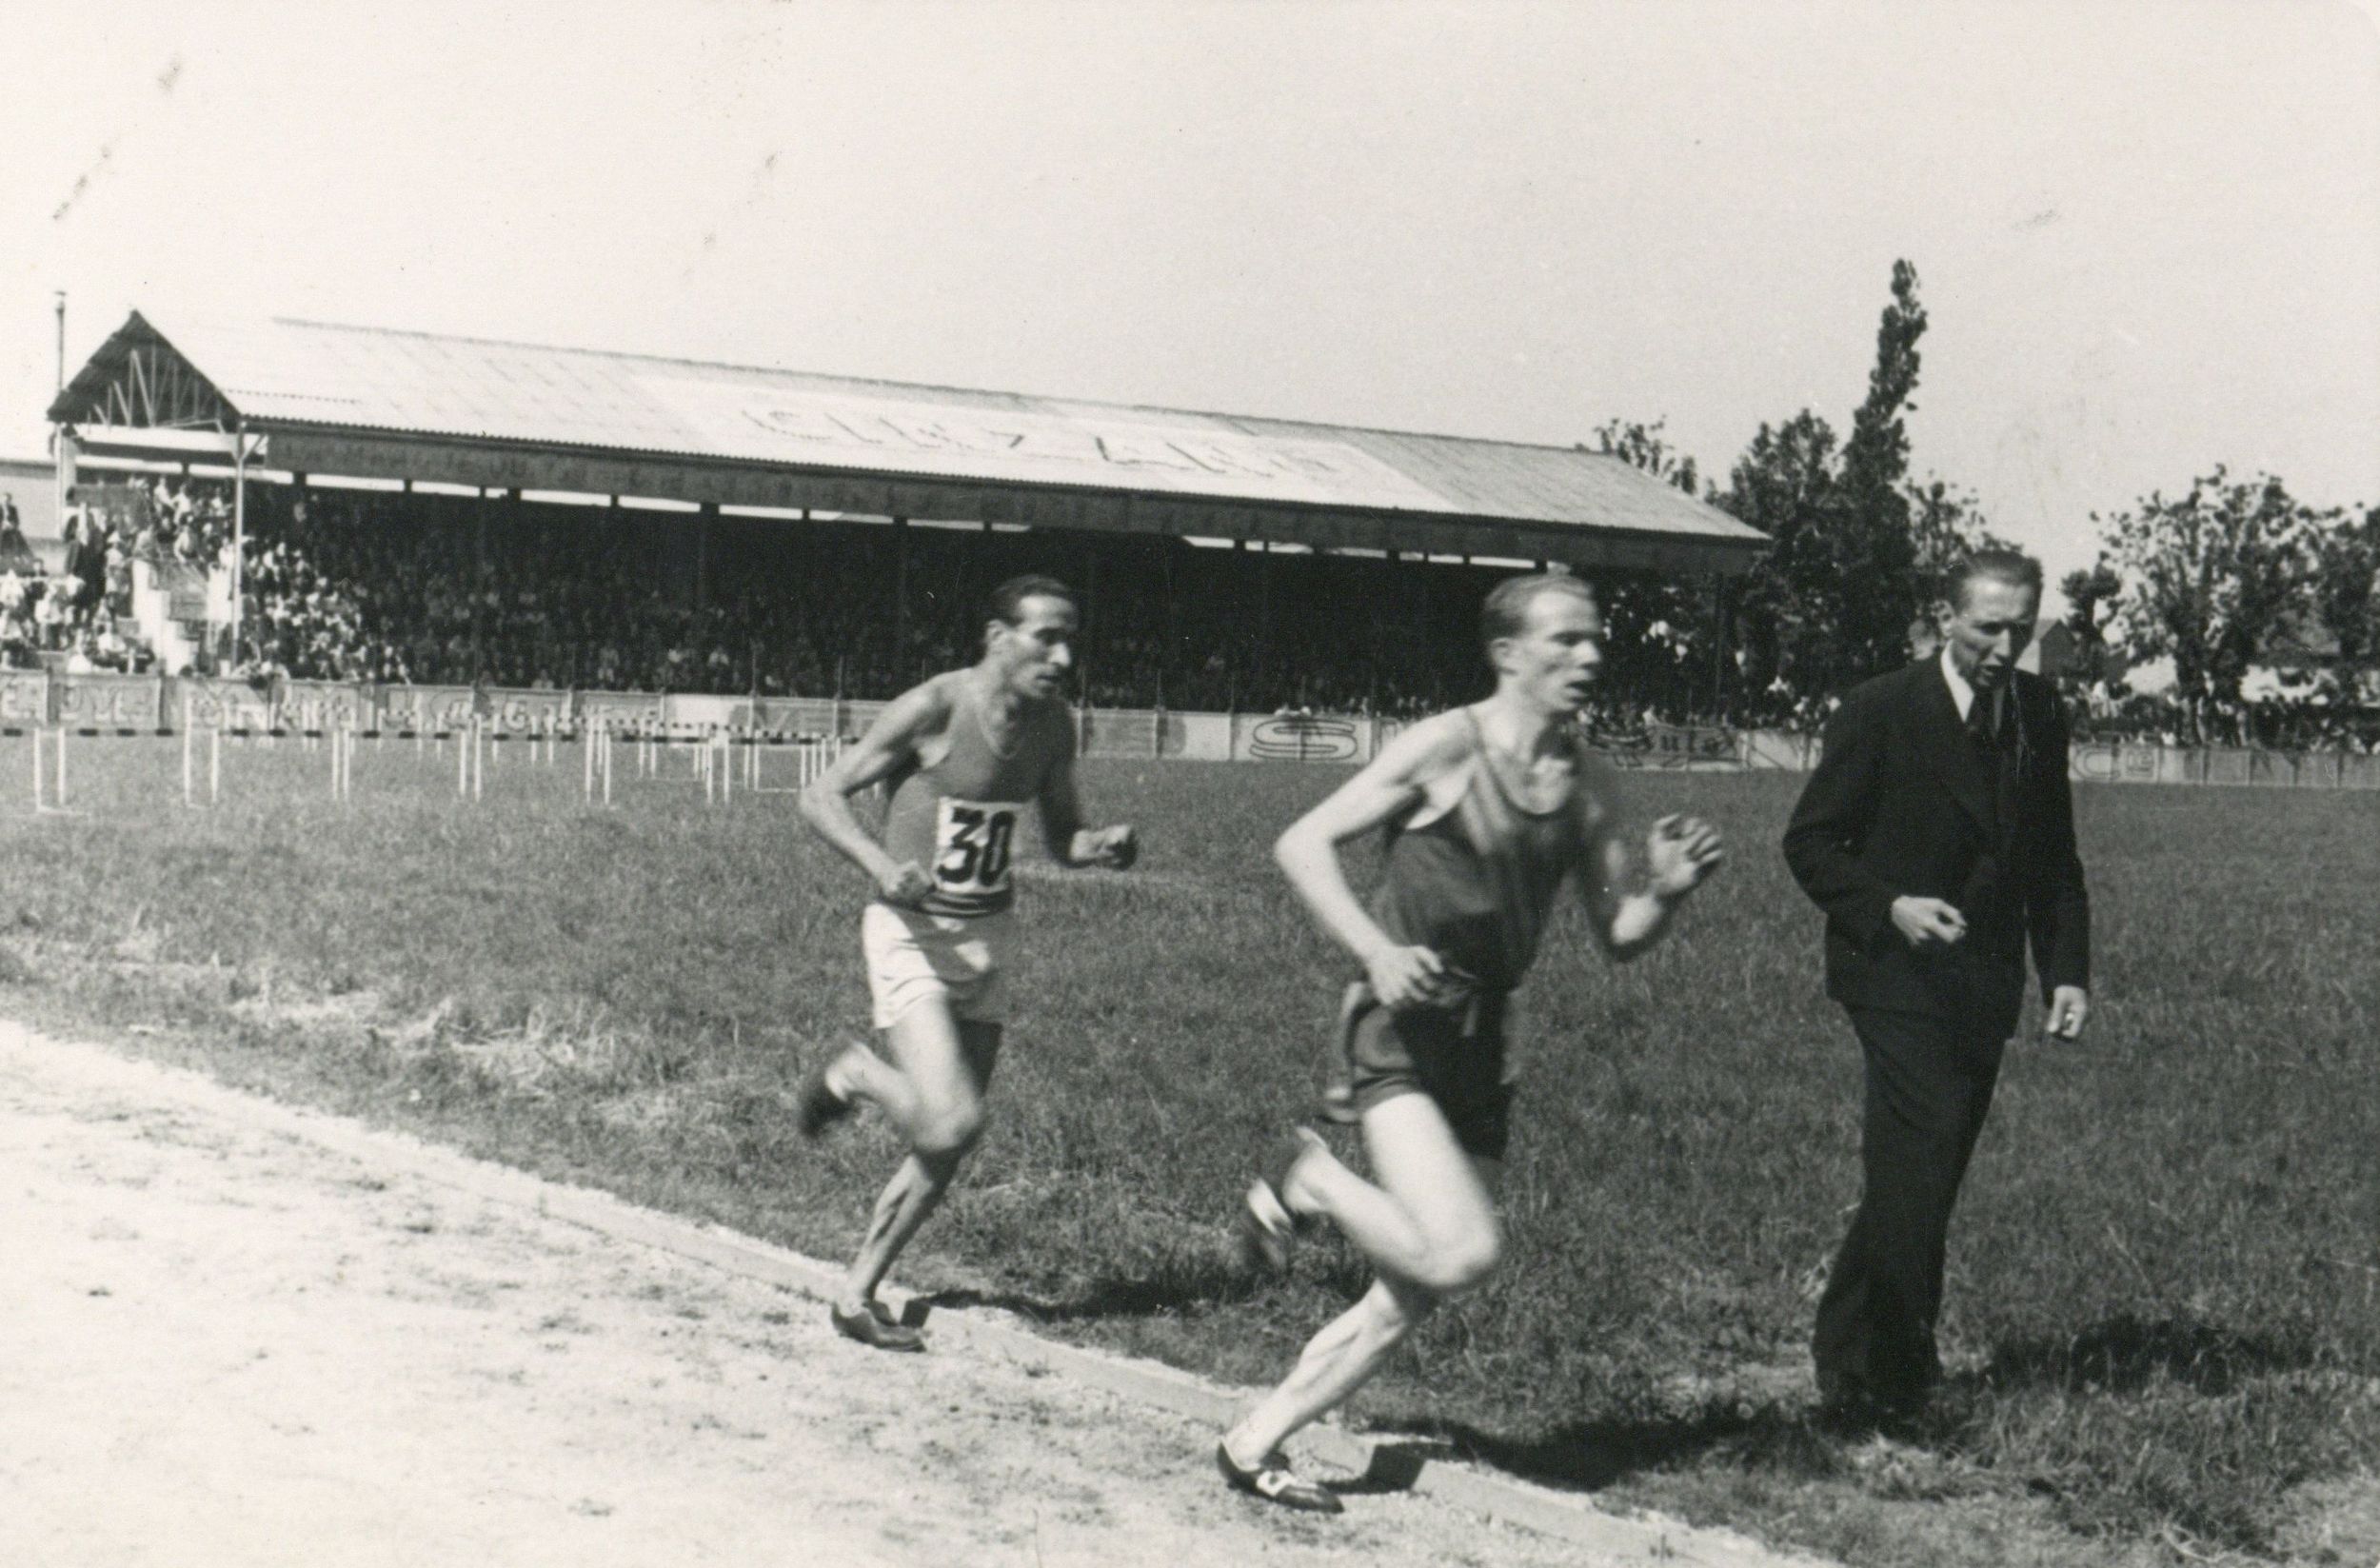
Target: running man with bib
(965,756)
(1488,810)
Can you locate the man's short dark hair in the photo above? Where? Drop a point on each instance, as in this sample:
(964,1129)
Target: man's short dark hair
(1007,604)
(1506,612)
(2014,568)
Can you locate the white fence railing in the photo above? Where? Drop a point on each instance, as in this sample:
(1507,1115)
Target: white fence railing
(136,704)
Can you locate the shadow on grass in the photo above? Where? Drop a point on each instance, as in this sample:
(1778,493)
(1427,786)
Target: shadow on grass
(1174,1287)
(1590,1455)
(2127,1353)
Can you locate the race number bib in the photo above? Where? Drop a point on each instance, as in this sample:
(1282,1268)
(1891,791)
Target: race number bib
(972,840)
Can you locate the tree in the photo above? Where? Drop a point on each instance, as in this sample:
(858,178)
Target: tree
(2344,560)
(1944,527)
(2091,599)
(1831,602)
(1874,553)
(1646,446)
(2207,578)
(1785,487)
(1661,630)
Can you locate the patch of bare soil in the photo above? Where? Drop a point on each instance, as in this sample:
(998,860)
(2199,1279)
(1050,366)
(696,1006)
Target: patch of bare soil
(227,1345)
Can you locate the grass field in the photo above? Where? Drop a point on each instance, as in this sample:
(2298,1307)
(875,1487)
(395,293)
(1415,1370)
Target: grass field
(2164,1315)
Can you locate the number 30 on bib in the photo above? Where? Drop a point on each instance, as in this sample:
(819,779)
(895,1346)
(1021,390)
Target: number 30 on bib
(972,840)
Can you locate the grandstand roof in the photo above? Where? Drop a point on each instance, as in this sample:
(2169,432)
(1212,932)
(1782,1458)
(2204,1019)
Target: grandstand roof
(380,403)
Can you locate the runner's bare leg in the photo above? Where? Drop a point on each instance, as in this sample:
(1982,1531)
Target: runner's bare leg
(1429,1227)
(933,1092)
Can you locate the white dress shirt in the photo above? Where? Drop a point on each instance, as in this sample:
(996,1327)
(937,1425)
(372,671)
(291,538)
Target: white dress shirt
(1962,692)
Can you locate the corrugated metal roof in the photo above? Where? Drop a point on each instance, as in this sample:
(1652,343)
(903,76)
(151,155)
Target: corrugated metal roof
(314,374)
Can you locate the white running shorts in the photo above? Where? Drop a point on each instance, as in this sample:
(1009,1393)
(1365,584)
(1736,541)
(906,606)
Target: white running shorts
(913,956)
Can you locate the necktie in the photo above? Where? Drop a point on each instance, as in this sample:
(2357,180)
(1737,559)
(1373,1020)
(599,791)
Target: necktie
(1983,719)
(1990,721)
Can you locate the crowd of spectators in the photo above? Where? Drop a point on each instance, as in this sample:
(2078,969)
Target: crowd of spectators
(369,586)
(71,615)
(77,616)
(2308,724)
(355,585)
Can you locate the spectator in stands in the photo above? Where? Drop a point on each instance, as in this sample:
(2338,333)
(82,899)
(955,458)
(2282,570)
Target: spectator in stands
(86,563)
(49,614)
(110,650)
(15,554)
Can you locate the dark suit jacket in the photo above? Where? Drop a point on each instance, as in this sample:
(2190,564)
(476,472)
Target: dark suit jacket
(1904,802)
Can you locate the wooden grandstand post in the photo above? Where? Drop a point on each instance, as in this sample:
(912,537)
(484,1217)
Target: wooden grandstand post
(900,601)
(239,532)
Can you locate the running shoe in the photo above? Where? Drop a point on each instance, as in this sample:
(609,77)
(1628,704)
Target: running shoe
(1273,1481)
(876,1329)
(816,1108)
(1267,1225)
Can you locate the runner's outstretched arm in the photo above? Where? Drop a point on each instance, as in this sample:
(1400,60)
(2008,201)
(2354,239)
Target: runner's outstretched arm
(1073,845)
(1680,852)
(890,743)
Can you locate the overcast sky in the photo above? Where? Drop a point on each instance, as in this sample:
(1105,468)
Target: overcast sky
(2148,234)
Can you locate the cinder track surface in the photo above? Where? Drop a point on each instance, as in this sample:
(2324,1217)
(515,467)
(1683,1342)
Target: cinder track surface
(230,1342)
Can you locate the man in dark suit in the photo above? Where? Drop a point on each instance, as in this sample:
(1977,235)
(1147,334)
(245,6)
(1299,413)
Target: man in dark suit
(1937,833)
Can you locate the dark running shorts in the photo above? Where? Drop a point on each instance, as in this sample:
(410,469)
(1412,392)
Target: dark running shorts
(1456,1056)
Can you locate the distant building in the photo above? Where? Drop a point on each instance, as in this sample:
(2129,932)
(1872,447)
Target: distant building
(2053,651)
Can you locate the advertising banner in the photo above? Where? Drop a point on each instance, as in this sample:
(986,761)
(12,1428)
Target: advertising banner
(24,697)
(434,711)
(526,710)
(1300,738)
(629,710)
(801,716)
(107,702)
(1668,747)
(219,705)
(683,712)
(317,708)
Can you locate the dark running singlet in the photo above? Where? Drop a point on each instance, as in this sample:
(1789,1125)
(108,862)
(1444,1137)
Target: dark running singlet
(1473,877)
(957,816)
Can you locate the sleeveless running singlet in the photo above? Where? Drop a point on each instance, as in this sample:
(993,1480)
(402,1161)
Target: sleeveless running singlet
(1472,871)
(958,818)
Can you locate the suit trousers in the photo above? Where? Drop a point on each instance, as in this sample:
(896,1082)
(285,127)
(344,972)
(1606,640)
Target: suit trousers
(1929,1082)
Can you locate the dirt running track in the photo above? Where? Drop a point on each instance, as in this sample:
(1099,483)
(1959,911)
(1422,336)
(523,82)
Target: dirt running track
(225,1345)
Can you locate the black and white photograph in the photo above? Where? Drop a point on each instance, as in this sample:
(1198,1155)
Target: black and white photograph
(919,785)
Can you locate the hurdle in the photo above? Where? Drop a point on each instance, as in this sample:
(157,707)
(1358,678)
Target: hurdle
(812,756)
(596,757)
(190,762)
(470,762)
(718,767)
(55,804)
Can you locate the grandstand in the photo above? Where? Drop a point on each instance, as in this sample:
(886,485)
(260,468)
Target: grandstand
(417,508)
